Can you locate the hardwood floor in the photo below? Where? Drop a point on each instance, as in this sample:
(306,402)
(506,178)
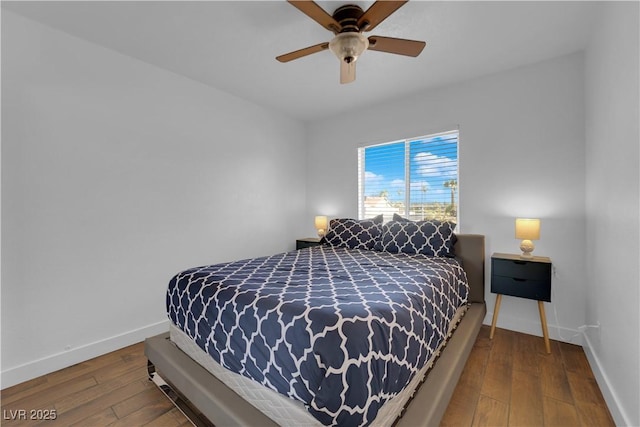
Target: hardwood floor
(109,390)
(508,381)
(512,381)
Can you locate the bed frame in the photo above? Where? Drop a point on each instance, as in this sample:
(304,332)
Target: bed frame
(206,401)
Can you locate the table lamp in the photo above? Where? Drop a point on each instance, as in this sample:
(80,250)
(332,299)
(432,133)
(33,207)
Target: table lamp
(527,229)
(321,225)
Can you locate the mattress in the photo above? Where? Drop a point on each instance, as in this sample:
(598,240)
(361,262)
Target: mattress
(343,331)
(292,413)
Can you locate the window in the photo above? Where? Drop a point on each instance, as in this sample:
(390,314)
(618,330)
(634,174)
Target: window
(415,178)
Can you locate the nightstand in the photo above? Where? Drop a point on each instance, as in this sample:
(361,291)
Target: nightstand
(521,277)
(307,242)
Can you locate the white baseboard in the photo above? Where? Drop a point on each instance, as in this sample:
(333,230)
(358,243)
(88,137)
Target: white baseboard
(620,417)
(46,365)
(526,326)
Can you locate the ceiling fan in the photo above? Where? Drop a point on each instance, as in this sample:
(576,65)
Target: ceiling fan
(347,23)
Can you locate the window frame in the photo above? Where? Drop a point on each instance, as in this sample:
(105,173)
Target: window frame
(407,171)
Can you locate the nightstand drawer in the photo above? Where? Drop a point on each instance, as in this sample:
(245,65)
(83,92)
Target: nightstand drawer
(521,269)
(524,288)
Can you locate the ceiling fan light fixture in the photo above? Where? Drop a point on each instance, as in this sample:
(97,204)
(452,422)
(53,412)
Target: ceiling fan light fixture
(347,24)
(348,46)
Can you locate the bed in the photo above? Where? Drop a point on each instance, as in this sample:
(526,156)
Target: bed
(225,363)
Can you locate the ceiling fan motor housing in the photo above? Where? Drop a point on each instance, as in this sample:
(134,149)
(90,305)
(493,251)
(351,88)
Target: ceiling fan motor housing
(348,16)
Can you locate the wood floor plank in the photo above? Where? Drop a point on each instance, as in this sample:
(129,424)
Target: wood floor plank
(53,380)
(526,400)
(123,367)
(138,401)
(502,346)
(588,400)
(48,382)
(20,391)
(462,406)
(584,389)
(575,360)
(25,387)
(555,383)
(525,353)
(97,405)
(497,382)
(553,374)
(559,414)
(473,371)
(173,418)
(103,418)
(47,400)
(459,413)
(497,376)
(98,390)
(490,413)
(483,339)
(594,415)
(90,366)
(137,348)
(144,415)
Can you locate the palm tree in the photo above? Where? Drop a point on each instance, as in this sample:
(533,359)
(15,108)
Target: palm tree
(453,185)
(423,188)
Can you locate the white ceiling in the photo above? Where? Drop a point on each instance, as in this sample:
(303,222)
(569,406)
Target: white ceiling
(232,45)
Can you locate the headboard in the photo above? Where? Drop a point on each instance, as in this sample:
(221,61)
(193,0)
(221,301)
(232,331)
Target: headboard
(470,249)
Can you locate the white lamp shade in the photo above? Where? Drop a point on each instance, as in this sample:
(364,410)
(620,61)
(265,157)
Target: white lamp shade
(320,222)
(348,46)
(527,229)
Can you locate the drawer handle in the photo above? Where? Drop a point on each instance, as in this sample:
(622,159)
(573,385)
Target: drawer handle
(517,279)
(520,262)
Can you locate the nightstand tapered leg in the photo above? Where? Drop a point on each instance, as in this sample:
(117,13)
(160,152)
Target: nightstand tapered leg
(496,309)
(543,321)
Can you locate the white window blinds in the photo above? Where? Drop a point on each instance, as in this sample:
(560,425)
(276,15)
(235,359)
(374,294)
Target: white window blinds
(415,178)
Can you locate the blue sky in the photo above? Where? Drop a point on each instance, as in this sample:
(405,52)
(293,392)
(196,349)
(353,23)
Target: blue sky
(432,162)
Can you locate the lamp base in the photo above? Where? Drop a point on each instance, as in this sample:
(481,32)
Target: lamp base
(321,233)
(527,247)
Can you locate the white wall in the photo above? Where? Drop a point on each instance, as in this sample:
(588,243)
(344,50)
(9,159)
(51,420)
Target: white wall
(612,208)
(115,176)
(521,154)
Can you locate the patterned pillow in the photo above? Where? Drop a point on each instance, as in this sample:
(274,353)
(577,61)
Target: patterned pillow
(454,239)
(435,238)
(353,233)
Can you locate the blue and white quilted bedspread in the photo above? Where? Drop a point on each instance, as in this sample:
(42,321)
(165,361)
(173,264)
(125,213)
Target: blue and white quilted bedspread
(341,330)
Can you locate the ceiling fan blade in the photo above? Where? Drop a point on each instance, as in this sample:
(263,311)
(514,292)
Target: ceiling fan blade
(397,46)
(378,12)
(347,71)
(302,52)
(318,14)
